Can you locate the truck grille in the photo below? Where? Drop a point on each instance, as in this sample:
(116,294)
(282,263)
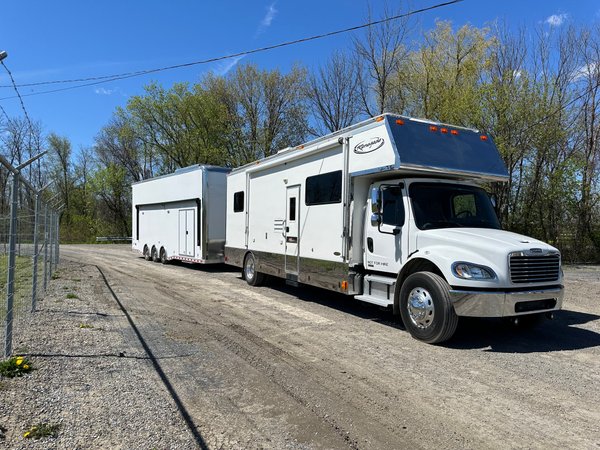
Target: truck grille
(528,268)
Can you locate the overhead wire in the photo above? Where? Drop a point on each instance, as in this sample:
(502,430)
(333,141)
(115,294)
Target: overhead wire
(19,96)
(92,81)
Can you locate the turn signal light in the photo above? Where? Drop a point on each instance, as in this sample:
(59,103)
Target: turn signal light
(344,285)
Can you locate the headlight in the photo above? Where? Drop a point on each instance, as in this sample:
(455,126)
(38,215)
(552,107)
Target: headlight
(468,271)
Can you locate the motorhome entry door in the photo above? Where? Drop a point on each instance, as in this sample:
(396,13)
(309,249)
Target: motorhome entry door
(186,232)
(292,229)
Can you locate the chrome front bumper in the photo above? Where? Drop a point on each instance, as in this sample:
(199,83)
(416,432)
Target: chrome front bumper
(504,304)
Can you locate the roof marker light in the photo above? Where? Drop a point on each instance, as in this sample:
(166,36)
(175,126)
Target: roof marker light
(379,119)
(400,122)
(432,128)
(444,130)
(483,137)
(454,132)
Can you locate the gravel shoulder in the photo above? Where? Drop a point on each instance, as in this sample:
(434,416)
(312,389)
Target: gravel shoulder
(182,356)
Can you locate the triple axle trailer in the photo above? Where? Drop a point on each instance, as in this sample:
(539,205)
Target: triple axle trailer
(391,211)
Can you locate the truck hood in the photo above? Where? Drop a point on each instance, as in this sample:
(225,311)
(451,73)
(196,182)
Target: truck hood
(482,241)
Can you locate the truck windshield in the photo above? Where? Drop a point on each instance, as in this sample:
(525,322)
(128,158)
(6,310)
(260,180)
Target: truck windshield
(446,205)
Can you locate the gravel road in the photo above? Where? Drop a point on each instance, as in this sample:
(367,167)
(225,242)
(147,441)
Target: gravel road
(183,356)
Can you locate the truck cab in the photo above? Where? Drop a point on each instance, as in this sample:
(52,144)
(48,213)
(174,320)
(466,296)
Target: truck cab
(434,250)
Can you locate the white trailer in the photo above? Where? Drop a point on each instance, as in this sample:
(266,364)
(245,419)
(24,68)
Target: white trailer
(391,211)
(181,215)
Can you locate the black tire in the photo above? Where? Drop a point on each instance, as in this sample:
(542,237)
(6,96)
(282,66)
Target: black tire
(155,255)
(147,255)
(163,256)
(426,309)
(252,277)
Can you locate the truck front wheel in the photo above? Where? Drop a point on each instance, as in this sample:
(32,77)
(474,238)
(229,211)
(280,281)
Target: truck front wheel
(252,276)
(426,309)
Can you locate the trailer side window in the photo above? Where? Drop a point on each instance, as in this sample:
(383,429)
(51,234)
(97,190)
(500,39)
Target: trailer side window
(324,188)
(238,201)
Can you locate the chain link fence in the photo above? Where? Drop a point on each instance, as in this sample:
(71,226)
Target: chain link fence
(29,237)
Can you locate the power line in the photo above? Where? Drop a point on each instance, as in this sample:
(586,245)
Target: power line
(20,98)
(91,81)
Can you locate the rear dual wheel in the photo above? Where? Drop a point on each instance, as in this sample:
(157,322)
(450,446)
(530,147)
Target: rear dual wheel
(249,272)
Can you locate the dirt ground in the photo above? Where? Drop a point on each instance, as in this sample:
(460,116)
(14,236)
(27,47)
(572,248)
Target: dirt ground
(283,367)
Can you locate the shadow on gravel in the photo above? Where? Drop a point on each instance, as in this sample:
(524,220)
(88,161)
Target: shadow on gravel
(104,355)
(157,367)
(559,334)
(555,335)
(208,268)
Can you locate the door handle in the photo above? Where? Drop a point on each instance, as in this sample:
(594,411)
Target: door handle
(287,229)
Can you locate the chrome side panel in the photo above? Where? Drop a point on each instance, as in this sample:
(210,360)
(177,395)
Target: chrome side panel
(314,272)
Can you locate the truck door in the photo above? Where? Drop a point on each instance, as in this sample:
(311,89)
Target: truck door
(186,232)
(386,236)
(292,229)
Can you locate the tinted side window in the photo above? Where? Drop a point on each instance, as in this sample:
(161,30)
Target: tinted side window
(393,206)
(238,201)
(324,188)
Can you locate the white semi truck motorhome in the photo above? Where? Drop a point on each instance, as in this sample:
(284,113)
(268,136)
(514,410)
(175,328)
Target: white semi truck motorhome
(392,212)
(181,215)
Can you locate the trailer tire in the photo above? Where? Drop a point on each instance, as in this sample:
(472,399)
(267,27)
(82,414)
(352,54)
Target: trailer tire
(155,255)
(163,256)
(252,277)
(426,308)
(146,253)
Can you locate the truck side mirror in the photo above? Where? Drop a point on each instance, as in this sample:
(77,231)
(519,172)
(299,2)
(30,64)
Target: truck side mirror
(494,200)
(375,201)
(376,219)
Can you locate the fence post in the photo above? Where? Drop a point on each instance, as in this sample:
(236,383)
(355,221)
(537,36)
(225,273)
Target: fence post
(46,239)
(51,244)
(57,241)
(12,248)
(36,219)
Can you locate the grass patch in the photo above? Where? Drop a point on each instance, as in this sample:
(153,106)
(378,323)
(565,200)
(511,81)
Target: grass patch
(76,280)
(85,325)
(55,276)
(23,282)
(15,366)
(42,430)
(71,295)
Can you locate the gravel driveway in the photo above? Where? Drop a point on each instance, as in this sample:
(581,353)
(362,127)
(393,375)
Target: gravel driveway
(178,356)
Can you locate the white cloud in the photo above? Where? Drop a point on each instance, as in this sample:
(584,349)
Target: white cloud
(586,71)
(556,20)
(267,20)
(104,91)
(227,65)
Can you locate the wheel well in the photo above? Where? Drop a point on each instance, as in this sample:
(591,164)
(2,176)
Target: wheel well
(415,265)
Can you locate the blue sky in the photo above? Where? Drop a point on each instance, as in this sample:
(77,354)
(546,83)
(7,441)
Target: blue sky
(74,39)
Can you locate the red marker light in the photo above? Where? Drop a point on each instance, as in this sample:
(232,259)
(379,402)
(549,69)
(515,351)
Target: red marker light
(454,132)
(483,137)
(444,130)
(432,128)
(399,122)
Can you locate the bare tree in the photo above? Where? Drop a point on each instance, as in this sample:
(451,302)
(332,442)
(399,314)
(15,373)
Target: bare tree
(332,94)
(380,55)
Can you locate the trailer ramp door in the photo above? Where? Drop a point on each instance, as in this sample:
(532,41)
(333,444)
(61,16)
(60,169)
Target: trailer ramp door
(186,232)
(292,229)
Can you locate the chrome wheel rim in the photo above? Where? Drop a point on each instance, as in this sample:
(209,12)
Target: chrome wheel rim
(249,268)
(420,308)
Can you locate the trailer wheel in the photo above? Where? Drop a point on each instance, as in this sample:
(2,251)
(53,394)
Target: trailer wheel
(155,255)
(147,255)
(426,309)
(163,256)
(252,277)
